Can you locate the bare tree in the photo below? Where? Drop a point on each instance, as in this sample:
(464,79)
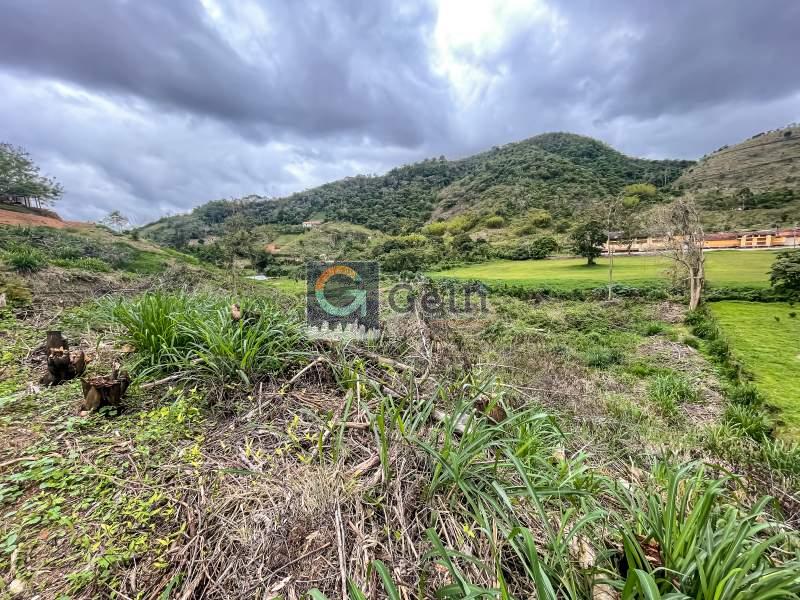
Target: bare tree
(116,221)
(685,239)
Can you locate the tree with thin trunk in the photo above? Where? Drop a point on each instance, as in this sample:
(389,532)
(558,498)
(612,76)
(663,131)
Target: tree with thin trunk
(622,213)
(116,221)
(685,238)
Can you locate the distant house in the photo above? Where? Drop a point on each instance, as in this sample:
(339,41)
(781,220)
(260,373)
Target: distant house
(770,238)
(311,224)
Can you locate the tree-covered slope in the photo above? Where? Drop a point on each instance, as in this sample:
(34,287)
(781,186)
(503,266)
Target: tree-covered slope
(557,171)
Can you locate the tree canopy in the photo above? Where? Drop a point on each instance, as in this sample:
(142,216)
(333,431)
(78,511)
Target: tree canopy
(587,240)
(785,275)
(20,176)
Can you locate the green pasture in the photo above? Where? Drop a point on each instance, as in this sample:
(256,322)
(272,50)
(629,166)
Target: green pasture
(723,269)
(766,338)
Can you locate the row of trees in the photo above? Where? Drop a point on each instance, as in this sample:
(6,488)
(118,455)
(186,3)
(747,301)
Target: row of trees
(20,177)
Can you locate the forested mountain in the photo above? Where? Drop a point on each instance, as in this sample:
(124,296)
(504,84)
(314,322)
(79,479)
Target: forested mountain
(555,171)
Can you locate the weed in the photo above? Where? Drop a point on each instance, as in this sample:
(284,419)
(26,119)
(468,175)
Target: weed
(691,341)
(196,335)
(753,422)
(85,263)
(26,260)
(702,550)
(653,328)
(744,394)
(668,391)
(601,358)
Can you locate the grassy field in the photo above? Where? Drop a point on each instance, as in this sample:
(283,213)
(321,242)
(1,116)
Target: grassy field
(723,269)
(765,337)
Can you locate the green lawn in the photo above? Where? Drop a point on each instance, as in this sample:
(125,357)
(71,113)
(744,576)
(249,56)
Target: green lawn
(767,340)
(723,269)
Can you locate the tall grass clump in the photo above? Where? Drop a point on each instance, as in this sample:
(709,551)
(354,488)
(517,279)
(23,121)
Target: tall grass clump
(751,421)
(194,334)
(668,391)
(26,260)
(517,501)
(682,541)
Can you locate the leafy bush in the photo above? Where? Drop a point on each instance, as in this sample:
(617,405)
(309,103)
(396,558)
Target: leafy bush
(537,249)
(26,260)
(495,222)
(437,229)
(536,219)
(785,275)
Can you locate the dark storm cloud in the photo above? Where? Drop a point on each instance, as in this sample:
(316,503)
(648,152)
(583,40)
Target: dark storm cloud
(155,106)
(597,67)
(687,55)
(359,68)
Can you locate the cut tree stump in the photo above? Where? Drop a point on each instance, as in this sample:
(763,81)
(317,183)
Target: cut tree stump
(101,391)
(62,365)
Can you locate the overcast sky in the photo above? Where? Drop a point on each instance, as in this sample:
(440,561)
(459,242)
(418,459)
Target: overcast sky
(153,107)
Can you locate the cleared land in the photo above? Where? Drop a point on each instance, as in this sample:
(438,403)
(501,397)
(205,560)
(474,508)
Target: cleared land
(723,269)
(766,338)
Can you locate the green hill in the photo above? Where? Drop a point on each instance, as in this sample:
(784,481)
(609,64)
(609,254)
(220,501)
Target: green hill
(558,172)
(750,185)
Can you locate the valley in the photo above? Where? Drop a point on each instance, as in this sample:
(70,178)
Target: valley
(560,442)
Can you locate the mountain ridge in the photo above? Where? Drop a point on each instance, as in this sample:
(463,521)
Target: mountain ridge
(557,172)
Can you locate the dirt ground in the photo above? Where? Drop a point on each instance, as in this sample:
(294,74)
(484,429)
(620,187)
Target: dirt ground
(8,217)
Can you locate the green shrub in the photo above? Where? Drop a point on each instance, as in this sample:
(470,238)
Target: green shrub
(26,260)
(668,391)
(495,222)
(535,219)
(436,229)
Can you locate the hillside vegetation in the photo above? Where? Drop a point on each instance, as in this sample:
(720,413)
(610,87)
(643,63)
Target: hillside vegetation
(753,184)
(549,450)
(555,171)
